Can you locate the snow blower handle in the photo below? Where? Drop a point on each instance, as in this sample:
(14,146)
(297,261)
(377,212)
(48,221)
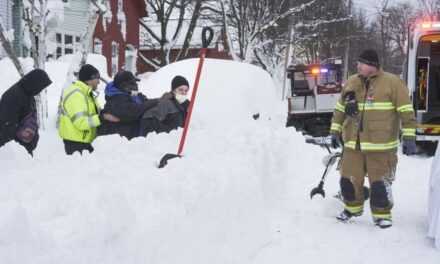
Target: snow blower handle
(207,36)
(323,142)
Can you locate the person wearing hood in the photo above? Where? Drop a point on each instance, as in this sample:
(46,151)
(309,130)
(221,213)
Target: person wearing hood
(124,101)
(80,113)
(171,111)
(18,115)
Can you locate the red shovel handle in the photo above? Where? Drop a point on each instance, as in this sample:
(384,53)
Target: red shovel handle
(207,35)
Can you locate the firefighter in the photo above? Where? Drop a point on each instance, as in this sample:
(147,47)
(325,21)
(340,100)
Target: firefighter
(373,109)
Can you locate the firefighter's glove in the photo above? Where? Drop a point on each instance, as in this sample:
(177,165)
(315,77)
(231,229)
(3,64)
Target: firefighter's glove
(336,141)
(351,104)
(409,147)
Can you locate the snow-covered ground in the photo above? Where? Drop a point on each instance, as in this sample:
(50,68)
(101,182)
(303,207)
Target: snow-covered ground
(239,195)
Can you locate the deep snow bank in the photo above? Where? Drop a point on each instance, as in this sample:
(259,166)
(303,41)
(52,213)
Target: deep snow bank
(239,195)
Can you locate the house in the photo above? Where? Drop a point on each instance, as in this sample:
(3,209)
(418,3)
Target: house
(6,13)
(218,48)
(116,34)
(11,17)
(5,18)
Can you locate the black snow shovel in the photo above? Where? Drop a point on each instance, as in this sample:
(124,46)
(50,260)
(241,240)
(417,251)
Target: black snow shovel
(207,35)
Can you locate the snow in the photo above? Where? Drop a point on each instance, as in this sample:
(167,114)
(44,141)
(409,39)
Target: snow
(433,201)
(148,43)
(240,194)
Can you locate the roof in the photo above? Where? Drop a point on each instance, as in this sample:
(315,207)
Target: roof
(147,42)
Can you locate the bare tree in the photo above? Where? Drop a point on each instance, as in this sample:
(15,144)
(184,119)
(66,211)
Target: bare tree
(248,21)
(172,19)
(318,30)
(6,44)
(430,8)
(35,17)
(392,24)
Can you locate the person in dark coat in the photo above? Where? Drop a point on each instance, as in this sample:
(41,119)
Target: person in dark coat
(18,115)
(171,111)
(124,101)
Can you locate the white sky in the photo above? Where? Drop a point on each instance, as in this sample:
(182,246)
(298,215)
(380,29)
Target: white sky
(371,4)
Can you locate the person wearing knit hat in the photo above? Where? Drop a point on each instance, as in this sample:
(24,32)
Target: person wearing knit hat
(89,75)
(373,110)
(171,111)
(179,88)
(79,115)
(369,57)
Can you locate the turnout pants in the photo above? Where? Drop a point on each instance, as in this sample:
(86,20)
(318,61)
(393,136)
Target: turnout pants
(380,168)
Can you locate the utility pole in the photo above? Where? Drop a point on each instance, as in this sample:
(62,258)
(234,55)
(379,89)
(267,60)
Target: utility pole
(347,47)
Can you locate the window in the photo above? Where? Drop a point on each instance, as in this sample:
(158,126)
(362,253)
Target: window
(120,6)
(115,57)
(68,39)
(97,46)
(59,52)
(66,44)
(59,38)
(130,58)
(115,49)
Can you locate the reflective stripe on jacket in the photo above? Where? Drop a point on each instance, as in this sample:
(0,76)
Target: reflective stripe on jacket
(384,109)
(80,114)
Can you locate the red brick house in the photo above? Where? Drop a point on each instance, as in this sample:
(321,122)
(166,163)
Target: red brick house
(117,34)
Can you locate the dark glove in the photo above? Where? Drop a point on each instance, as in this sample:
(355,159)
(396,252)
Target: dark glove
(336,141)
(30,146)
(409,147)
(351,104)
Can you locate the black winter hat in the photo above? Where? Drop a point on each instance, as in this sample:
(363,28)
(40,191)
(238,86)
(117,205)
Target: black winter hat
(34,82)
(178,81)
(124,76)
(369,57)
(87,73)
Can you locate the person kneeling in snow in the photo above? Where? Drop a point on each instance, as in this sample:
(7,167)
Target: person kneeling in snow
(124,101)
(171,111)
(18,115)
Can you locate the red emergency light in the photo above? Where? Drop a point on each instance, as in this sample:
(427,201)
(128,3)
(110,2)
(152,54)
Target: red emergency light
(316,71)
(319,70)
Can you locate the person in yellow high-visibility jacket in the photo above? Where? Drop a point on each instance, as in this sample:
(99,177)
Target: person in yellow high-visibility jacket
(80,112)
(373,109)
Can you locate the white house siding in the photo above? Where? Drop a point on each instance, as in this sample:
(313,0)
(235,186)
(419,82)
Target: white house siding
(6,18)
(6,13)
(76,15)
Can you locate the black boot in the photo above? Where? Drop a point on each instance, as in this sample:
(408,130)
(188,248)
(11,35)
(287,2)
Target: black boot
(346,215)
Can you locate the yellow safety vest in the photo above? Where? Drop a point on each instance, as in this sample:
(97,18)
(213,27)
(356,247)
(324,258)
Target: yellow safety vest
(79,114)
